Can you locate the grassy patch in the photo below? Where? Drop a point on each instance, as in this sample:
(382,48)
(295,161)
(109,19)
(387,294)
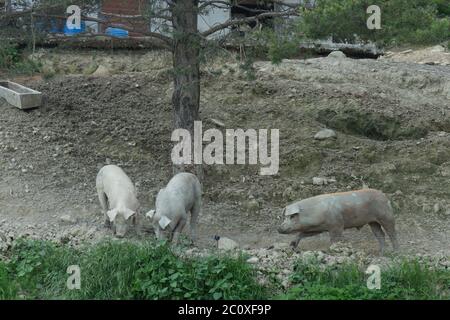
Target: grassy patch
(408,279)
(149,270)
(125,270)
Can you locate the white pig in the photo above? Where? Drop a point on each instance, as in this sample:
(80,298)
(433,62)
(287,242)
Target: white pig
(117,197)
(182,194)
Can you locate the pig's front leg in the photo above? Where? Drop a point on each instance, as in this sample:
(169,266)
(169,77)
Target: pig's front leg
(178,229)
(336,234)
(104,204)
(194,218)
(107,223)
(302,235)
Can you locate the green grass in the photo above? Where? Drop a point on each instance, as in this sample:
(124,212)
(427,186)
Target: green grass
(124,270)
(149,270)
(407,279)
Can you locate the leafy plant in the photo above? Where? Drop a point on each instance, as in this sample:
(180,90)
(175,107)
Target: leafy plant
(7,286)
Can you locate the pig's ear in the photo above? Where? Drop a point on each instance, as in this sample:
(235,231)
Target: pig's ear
(292,209)
(112,214)
(164,222)
(160,192)
(150,214)
(128,213)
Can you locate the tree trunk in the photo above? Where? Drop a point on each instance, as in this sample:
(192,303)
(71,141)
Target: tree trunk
(186,94)
(8,6)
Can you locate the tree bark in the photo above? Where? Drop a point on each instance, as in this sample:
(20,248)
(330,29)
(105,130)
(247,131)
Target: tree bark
(186,95)
(8,6)
(186,41)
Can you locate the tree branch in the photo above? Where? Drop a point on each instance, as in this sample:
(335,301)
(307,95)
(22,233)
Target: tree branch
(204,4)
(225,4)
(235,22)
(137,17)
(159,36)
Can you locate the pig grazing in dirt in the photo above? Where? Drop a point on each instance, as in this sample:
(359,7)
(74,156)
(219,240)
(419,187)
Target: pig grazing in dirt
(117,197)
(338,211)
(182,194)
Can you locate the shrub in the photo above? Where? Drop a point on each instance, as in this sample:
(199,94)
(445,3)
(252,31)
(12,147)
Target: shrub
(443,7)
(9,55)
(13,60)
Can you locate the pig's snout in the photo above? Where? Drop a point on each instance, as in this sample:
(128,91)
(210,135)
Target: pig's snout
(119,235)
(283,229)
(120,232)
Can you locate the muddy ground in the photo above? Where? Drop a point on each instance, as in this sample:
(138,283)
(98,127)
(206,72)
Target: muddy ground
(392,121)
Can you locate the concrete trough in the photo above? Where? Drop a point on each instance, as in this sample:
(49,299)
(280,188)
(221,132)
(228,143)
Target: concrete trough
(20,96)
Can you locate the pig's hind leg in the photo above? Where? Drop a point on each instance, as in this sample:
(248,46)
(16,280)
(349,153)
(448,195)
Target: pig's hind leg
(389,227)
(379,234)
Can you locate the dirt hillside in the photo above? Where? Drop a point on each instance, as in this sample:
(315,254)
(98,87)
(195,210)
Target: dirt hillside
(392,124)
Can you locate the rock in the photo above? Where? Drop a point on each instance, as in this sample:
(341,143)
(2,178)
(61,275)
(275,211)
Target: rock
(308,256)
(67,219)
(437,48)
(286,271)
(253,260)
(341,248)
(251,205)
(318,181)
(101,71)
(337,55)
(322,181)
(90,69)
(320,256)
(340,260)
(217,122)
(280,245)
(330,260)
(325,134)
(436,208)
(227,244)
(289,194)
(426,208)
